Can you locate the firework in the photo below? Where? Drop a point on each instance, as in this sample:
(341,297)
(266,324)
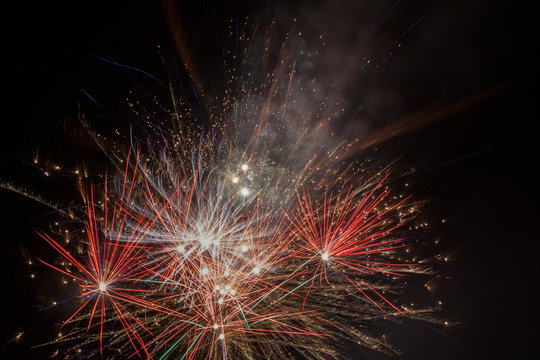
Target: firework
(238,238)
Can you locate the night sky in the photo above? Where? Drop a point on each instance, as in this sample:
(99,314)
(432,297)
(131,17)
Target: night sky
(474,165)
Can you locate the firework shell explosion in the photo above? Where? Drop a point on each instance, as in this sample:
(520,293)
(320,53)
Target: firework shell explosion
(242,231)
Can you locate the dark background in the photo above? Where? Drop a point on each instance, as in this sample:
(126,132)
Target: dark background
(477,167)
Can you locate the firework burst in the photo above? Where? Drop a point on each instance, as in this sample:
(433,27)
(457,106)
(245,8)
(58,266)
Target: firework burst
(237,237)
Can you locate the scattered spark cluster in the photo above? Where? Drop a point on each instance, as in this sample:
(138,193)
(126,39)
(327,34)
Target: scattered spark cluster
(252,234)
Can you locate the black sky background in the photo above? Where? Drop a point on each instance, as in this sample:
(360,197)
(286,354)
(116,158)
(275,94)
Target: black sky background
(476,168)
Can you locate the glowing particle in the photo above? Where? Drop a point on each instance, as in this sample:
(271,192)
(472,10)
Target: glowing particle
(244,167)
(324,256)
(216,326)
(244,191)
(256,270)
(244,248)
(102,287)
(235,180)
(220,301)
(205,241)
(180,249)
(221,336)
